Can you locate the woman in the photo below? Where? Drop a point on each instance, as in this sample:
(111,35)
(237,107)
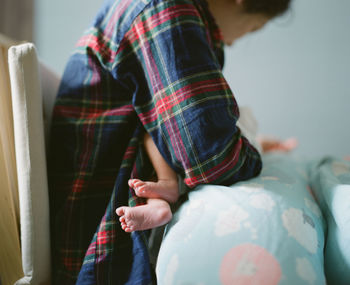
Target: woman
(150,67)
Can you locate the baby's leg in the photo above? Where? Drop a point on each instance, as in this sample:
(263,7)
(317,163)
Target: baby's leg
(166,186)
(155,213)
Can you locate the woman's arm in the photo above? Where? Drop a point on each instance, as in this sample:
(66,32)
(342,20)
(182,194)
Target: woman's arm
(188,107)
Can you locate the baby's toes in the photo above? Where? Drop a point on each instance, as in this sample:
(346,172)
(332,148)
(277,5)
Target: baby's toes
(128,226)
(129,229)
(131,182)
(141,191)
(138,184)
(123,224)
(120,211)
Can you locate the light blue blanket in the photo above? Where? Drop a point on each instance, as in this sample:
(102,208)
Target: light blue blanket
(330,181)
(268,230)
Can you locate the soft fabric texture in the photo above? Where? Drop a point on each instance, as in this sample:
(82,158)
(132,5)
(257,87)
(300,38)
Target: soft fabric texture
(152,66)
(331,185)
(10,248)
(31,164)
(267,230)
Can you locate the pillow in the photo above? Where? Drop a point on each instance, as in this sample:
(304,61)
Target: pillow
(330,181)
(267,230)
(31,164)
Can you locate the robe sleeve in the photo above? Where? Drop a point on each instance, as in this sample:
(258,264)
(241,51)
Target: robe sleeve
(186,104)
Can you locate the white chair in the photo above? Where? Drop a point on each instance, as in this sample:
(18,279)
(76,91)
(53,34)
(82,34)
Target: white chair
(33,88)
(10,246)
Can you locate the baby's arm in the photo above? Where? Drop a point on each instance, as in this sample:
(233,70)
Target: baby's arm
(269,144)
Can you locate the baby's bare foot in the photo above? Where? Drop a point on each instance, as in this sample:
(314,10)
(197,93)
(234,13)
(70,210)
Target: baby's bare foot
(164,189)
(152,215)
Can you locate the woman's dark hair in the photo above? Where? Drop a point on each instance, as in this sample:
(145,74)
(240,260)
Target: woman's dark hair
(270,8)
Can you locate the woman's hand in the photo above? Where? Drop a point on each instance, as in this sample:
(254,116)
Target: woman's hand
(270,144)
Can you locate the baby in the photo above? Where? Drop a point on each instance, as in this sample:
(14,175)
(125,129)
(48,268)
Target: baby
(165,190)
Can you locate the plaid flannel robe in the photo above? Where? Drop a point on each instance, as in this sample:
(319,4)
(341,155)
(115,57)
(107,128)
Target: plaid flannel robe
(144,65)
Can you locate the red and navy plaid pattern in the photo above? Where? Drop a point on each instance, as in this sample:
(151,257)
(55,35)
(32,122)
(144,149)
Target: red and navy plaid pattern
(143,66)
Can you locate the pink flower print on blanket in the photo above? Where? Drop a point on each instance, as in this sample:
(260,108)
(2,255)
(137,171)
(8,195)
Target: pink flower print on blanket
(249,264)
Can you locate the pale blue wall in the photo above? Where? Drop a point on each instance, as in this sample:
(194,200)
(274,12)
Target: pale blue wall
(59,25)
(296,76)
(295,73)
